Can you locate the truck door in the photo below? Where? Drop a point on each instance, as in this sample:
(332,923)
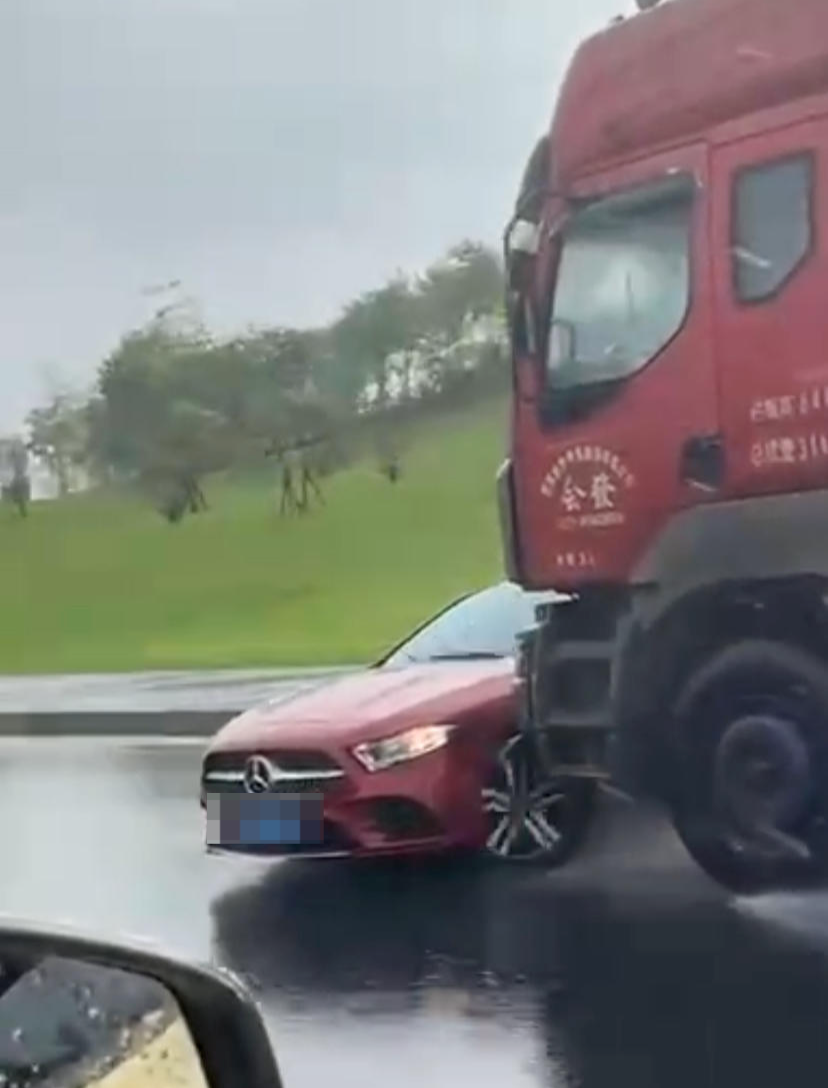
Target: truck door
(771,291)
(621,430)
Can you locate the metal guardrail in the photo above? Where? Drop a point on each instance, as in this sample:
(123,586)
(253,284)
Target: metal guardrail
(173,704)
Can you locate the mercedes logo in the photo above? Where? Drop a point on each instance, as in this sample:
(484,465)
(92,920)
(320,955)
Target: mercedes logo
(259,774)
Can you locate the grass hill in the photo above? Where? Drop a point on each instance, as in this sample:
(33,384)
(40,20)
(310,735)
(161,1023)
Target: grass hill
(99,582)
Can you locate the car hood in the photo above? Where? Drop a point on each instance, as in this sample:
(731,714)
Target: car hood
(366,704)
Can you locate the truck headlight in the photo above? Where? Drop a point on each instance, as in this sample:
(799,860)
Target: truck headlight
(379,755)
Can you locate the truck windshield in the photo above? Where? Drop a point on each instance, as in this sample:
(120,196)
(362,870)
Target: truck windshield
(623,284)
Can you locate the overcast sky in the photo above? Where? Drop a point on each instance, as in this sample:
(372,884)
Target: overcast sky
(278,156)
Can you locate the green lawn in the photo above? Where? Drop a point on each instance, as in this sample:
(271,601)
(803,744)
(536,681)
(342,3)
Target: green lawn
(102,583)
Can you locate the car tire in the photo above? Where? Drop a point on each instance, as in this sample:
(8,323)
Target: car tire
(531,819)
(751,798)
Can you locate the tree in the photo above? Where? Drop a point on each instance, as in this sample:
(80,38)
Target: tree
(465,286)
(59,436)
(174,404)
(373,330)
(467,282)
(190,443)
(154,419)
(15,485)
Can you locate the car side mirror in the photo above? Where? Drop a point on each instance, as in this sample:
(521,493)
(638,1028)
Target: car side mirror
(79,1011)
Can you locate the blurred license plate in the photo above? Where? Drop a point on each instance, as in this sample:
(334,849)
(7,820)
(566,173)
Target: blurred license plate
(287,820)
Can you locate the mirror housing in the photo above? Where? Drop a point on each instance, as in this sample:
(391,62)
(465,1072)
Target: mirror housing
(223,1023)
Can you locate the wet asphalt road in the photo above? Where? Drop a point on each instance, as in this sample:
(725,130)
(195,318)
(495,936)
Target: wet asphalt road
(628,969)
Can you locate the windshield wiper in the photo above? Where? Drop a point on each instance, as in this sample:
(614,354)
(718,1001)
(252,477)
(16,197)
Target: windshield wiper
(471,655)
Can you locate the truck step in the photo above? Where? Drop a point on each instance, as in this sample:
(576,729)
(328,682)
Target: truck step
(578,770)
(578,650)
(574,720)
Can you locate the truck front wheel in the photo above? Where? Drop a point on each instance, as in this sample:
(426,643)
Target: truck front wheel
(751,796)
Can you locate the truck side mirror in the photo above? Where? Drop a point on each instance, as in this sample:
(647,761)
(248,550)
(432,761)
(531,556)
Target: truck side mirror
(77,1010)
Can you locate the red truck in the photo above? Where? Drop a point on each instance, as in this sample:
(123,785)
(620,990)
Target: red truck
(668,267)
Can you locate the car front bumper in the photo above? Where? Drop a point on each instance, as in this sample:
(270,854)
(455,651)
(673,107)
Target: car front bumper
(428,805)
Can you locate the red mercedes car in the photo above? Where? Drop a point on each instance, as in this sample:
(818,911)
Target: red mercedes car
(418,754)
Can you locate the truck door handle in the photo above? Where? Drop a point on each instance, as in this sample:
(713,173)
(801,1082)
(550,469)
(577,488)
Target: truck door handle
(702,462)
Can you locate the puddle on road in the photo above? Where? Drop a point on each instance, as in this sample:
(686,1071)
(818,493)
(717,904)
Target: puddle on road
(803,914)
(628,969)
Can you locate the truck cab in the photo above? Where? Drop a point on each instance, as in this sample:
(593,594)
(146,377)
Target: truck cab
(668,265)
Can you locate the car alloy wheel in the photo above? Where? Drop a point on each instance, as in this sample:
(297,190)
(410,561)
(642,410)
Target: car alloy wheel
(530,817)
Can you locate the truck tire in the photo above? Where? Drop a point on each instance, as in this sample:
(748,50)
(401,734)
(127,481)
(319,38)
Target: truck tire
(530,819)
(751,790)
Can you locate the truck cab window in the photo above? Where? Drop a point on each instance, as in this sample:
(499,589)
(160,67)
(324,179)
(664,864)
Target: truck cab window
(772,226)
(623,285)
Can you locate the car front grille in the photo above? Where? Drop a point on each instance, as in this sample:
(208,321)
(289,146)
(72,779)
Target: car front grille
(295,771)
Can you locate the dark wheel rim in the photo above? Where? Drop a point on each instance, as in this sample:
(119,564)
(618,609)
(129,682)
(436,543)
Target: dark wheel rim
(752,801)
(763,784)
(763,771)
(526,815)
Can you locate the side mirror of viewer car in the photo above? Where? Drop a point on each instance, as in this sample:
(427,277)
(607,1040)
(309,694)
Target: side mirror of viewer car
(83,1013)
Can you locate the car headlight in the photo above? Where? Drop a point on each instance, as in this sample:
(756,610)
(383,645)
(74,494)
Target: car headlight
(379,755)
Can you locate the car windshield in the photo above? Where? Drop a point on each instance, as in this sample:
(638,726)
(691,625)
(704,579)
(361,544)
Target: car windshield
(482,626)
(623,284)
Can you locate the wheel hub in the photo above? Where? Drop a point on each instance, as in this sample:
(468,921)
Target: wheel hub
(523,814)
(763,773)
